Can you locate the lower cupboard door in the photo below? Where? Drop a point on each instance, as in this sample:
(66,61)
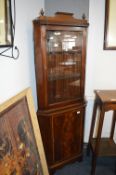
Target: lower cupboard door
(68,135)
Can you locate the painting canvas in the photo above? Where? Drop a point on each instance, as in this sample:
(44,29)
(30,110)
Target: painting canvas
(21,148)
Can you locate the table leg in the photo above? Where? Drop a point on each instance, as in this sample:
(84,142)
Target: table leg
(113,125)
(97,145)
(92,127)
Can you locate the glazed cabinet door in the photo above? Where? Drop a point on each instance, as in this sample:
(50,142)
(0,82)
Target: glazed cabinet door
(65,57)
(68,135)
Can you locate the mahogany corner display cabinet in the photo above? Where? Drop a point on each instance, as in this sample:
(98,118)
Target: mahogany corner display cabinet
(60,53)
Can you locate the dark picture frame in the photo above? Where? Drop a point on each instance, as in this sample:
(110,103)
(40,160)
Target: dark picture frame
(110,25)
(21,145)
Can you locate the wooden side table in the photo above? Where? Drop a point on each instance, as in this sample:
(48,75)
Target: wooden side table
(105,100)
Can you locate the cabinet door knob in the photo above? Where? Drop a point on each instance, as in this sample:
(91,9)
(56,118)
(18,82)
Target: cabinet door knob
(78,112)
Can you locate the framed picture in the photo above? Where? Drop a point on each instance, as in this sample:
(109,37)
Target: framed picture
(110,25)
(5,23)
(21,148)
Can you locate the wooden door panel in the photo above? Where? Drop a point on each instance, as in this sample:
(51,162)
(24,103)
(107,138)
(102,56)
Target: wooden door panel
(67,130)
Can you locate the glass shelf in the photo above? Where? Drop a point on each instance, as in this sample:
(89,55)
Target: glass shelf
(63,77)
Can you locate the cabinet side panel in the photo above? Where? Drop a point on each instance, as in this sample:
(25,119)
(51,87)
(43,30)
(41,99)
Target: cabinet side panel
(46,132)
(39,31)
(83,61)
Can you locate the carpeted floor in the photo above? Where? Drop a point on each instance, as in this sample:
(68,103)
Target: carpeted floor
(105,166)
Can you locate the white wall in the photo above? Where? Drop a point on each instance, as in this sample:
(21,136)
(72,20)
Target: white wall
(16,75)
(77,7)
(101,64)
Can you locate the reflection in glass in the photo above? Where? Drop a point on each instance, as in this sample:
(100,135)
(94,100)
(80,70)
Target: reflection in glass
(5,23)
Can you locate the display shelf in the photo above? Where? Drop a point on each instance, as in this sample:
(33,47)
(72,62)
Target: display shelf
(107,147)
(73,51)
(63,76)
(60,56)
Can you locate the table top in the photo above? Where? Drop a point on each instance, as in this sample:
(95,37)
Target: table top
(106,95)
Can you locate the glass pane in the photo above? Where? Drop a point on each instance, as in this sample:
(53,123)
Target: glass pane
(64,52)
